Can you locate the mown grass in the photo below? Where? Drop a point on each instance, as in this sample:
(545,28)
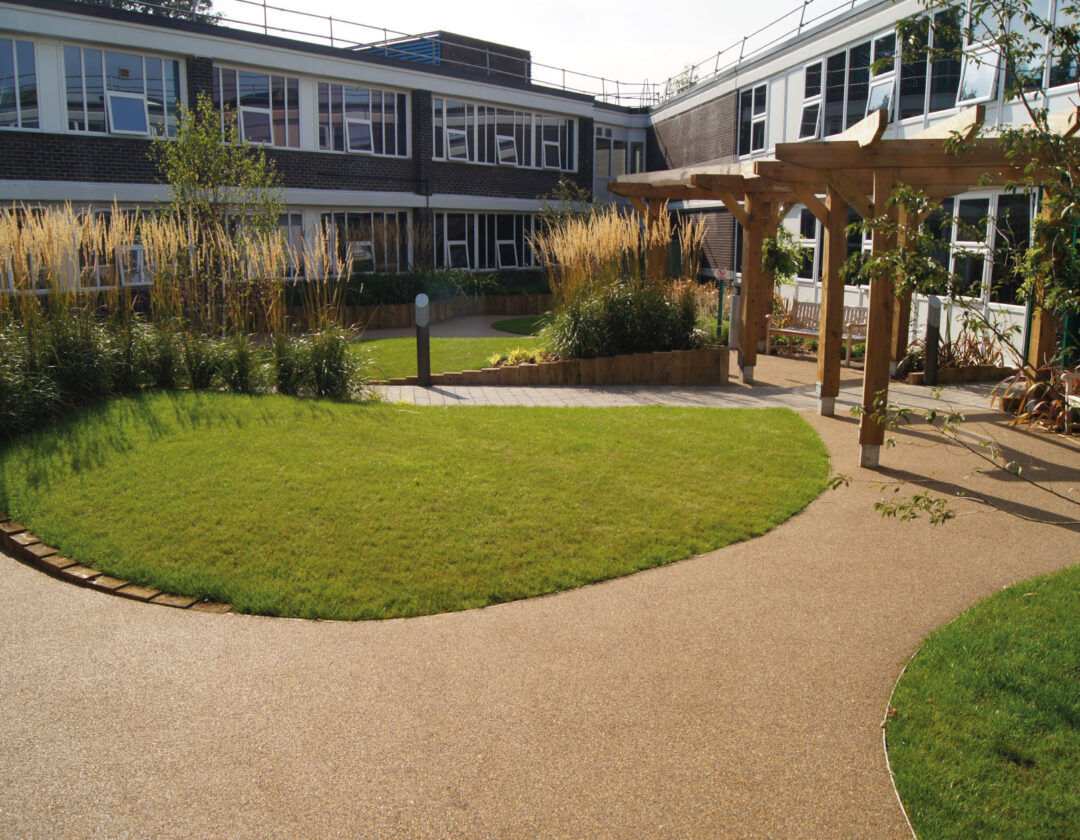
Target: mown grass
(526,325)
(986,738)
(388,358)
(332,510)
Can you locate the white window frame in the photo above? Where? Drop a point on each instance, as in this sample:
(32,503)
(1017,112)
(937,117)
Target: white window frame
(512,242)
(359,149)
(268,111)
(501,137)
(18,90)
(110,95)
(532,124)
(755,119)
(815,101)
(976,59)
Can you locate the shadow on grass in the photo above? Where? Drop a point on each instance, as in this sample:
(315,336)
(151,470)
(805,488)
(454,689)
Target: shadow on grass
(88,437)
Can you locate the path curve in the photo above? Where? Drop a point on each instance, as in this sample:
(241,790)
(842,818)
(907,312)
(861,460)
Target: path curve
(736,694)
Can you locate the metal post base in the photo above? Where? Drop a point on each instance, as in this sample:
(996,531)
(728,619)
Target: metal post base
(869,453)
(826,406)
(747,374)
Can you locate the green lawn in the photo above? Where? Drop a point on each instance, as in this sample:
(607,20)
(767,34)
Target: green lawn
(526,325)
(319,509)
(392,357)
(986,738)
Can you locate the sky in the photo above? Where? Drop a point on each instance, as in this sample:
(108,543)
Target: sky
(625,40)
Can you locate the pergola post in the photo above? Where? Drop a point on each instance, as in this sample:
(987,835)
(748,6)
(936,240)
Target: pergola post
(753,234)
(770,212)
(879,328)
(832,302)
(902,308)
(656,255)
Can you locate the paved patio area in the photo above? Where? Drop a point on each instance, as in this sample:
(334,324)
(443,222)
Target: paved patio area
(738,694)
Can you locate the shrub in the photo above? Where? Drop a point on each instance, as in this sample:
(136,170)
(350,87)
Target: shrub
(166,360)
(625,319)
(333,371)
(291,363)
(200,356)
(79,355)
(240,367)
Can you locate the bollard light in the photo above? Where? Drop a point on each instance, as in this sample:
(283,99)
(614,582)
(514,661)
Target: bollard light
(423,341)
(423,310)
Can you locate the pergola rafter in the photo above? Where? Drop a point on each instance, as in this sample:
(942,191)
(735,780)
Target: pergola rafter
(856,169)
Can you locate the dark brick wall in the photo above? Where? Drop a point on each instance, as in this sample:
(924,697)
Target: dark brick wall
(200,78)
(69,157)
(38,156)
(703,133)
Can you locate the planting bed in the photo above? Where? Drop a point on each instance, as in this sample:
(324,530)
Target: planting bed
(327,510)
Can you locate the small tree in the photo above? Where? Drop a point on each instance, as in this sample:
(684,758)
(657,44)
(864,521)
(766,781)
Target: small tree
(216,181)
(561,203)
(221,190)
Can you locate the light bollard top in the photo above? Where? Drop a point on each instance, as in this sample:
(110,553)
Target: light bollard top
(423,312)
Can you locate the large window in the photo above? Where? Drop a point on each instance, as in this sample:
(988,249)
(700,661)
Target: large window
(752,115)
(121,93)
(929,84)
(362,119)
(266,107)
(483,241)
(468,131)
(18,85)
(810,124)
(614,156)
(372,240)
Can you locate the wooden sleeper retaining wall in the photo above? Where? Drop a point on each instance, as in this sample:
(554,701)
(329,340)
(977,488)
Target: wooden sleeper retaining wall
(401,315)
(677,367)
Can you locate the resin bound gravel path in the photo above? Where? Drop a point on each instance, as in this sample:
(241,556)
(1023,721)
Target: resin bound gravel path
(735,694)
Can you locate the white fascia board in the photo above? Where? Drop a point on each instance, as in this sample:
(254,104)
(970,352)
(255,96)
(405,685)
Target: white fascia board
(816,42)
(482,204)
(79,192)
(353,198)
(146,195)
(65,26)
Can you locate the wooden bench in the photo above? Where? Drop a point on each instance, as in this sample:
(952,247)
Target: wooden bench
(803,320)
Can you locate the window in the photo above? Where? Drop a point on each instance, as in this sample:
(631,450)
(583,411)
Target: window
(881,95)
(1012,233)
(18,85)
(121,93)
(291,226)
(372,240)
(361,119)
(266,108)
(603,152)
(929,84)
(1064,58)
(978,80)
(483,241)
(811,113)
(752,113)
(102,268)
(848,86)
(477,133)
(808,239)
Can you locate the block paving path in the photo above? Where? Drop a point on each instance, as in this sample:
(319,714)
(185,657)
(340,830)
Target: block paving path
(737,694)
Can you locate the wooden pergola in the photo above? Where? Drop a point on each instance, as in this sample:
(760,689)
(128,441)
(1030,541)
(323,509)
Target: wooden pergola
(855,169)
